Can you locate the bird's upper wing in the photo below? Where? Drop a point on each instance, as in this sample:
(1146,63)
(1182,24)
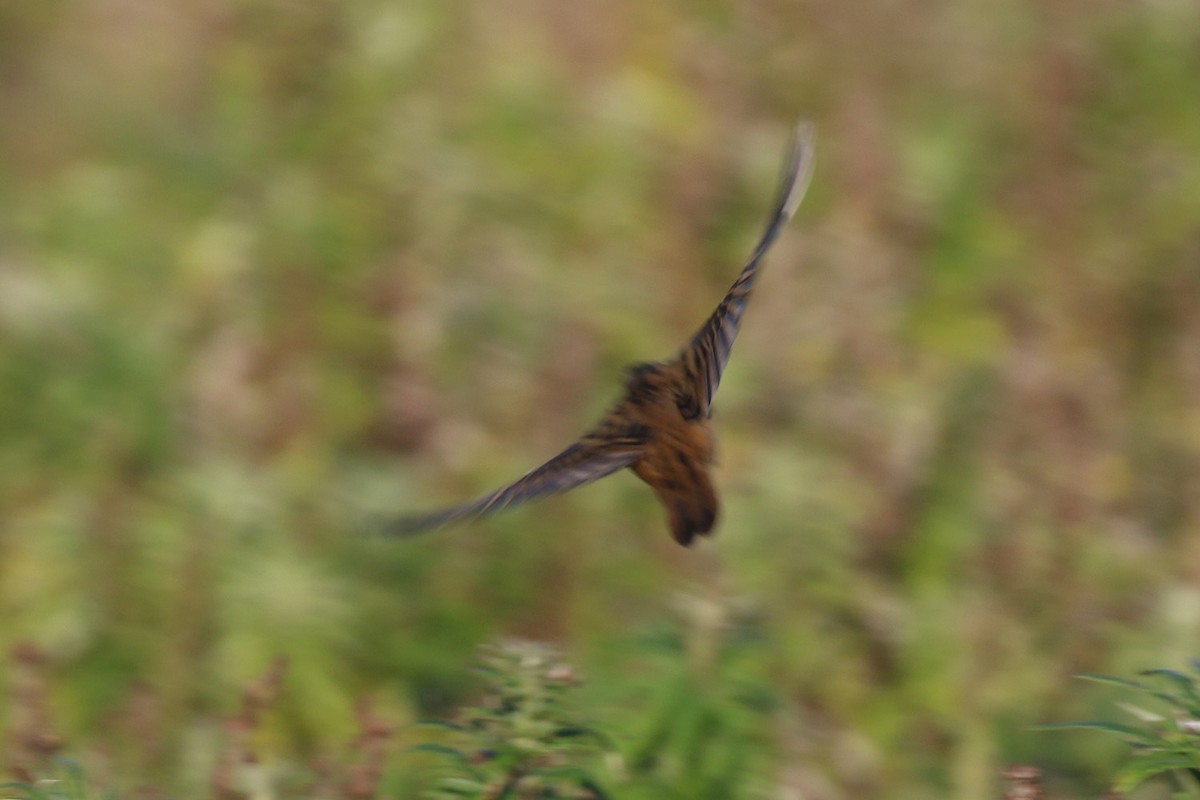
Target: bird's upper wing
(705,356)
(610,446)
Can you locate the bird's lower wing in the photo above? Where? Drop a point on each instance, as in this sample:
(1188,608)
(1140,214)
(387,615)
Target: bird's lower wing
(582,462)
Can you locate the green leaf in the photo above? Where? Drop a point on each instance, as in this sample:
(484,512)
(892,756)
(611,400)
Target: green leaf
(1145,766)
(1112,680)
(1126,683)
(1148,718)
(1184,684)
(1141,735)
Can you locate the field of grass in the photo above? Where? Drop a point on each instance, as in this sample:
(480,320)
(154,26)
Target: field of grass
(268,266)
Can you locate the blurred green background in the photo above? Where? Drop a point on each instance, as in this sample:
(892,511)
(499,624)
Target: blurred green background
(266,263)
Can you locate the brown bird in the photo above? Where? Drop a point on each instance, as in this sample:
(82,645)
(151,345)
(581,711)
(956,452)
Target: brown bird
(661,428)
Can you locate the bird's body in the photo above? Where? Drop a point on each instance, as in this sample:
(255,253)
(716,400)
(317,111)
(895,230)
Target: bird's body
(677,451)
(661,428)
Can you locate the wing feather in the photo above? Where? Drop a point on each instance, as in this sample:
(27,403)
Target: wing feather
(706,355)
(600,453)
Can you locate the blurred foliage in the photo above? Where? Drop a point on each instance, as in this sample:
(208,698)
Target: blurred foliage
(263,265)
(68,783)
(1162,745)
(523,741)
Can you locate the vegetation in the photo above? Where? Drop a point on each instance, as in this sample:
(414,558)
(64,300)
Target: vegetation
(521,742)
(265,267)
(1163,744)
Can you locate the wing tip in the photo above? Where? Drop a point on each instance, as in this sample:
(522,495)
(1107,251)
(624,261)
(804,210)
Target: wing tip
(389,526)
(799,168)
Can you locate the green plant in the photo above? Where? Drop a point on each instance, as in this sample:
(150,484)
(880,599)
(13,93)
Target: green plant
(522,741)
(67,782)
(700,733)
(1166,743)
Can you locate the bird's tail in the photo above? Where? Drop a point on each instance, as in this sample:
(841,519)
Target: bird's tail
(692,512)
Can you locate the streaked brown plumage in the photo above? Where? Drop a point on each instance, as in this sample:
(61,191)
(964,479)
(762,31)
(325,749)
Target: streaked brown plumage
(661,428)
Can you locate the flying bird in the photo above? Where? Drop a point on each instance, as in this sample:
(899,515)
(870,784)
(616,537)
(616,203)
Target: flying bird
(661,428)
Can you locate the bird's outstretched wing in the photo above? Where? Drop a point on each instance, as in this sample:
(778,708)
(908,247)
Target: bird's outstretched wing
(612,445)
(705,356)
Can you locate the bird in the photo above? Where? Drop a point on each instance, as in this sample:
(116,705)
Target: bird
(661,428)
